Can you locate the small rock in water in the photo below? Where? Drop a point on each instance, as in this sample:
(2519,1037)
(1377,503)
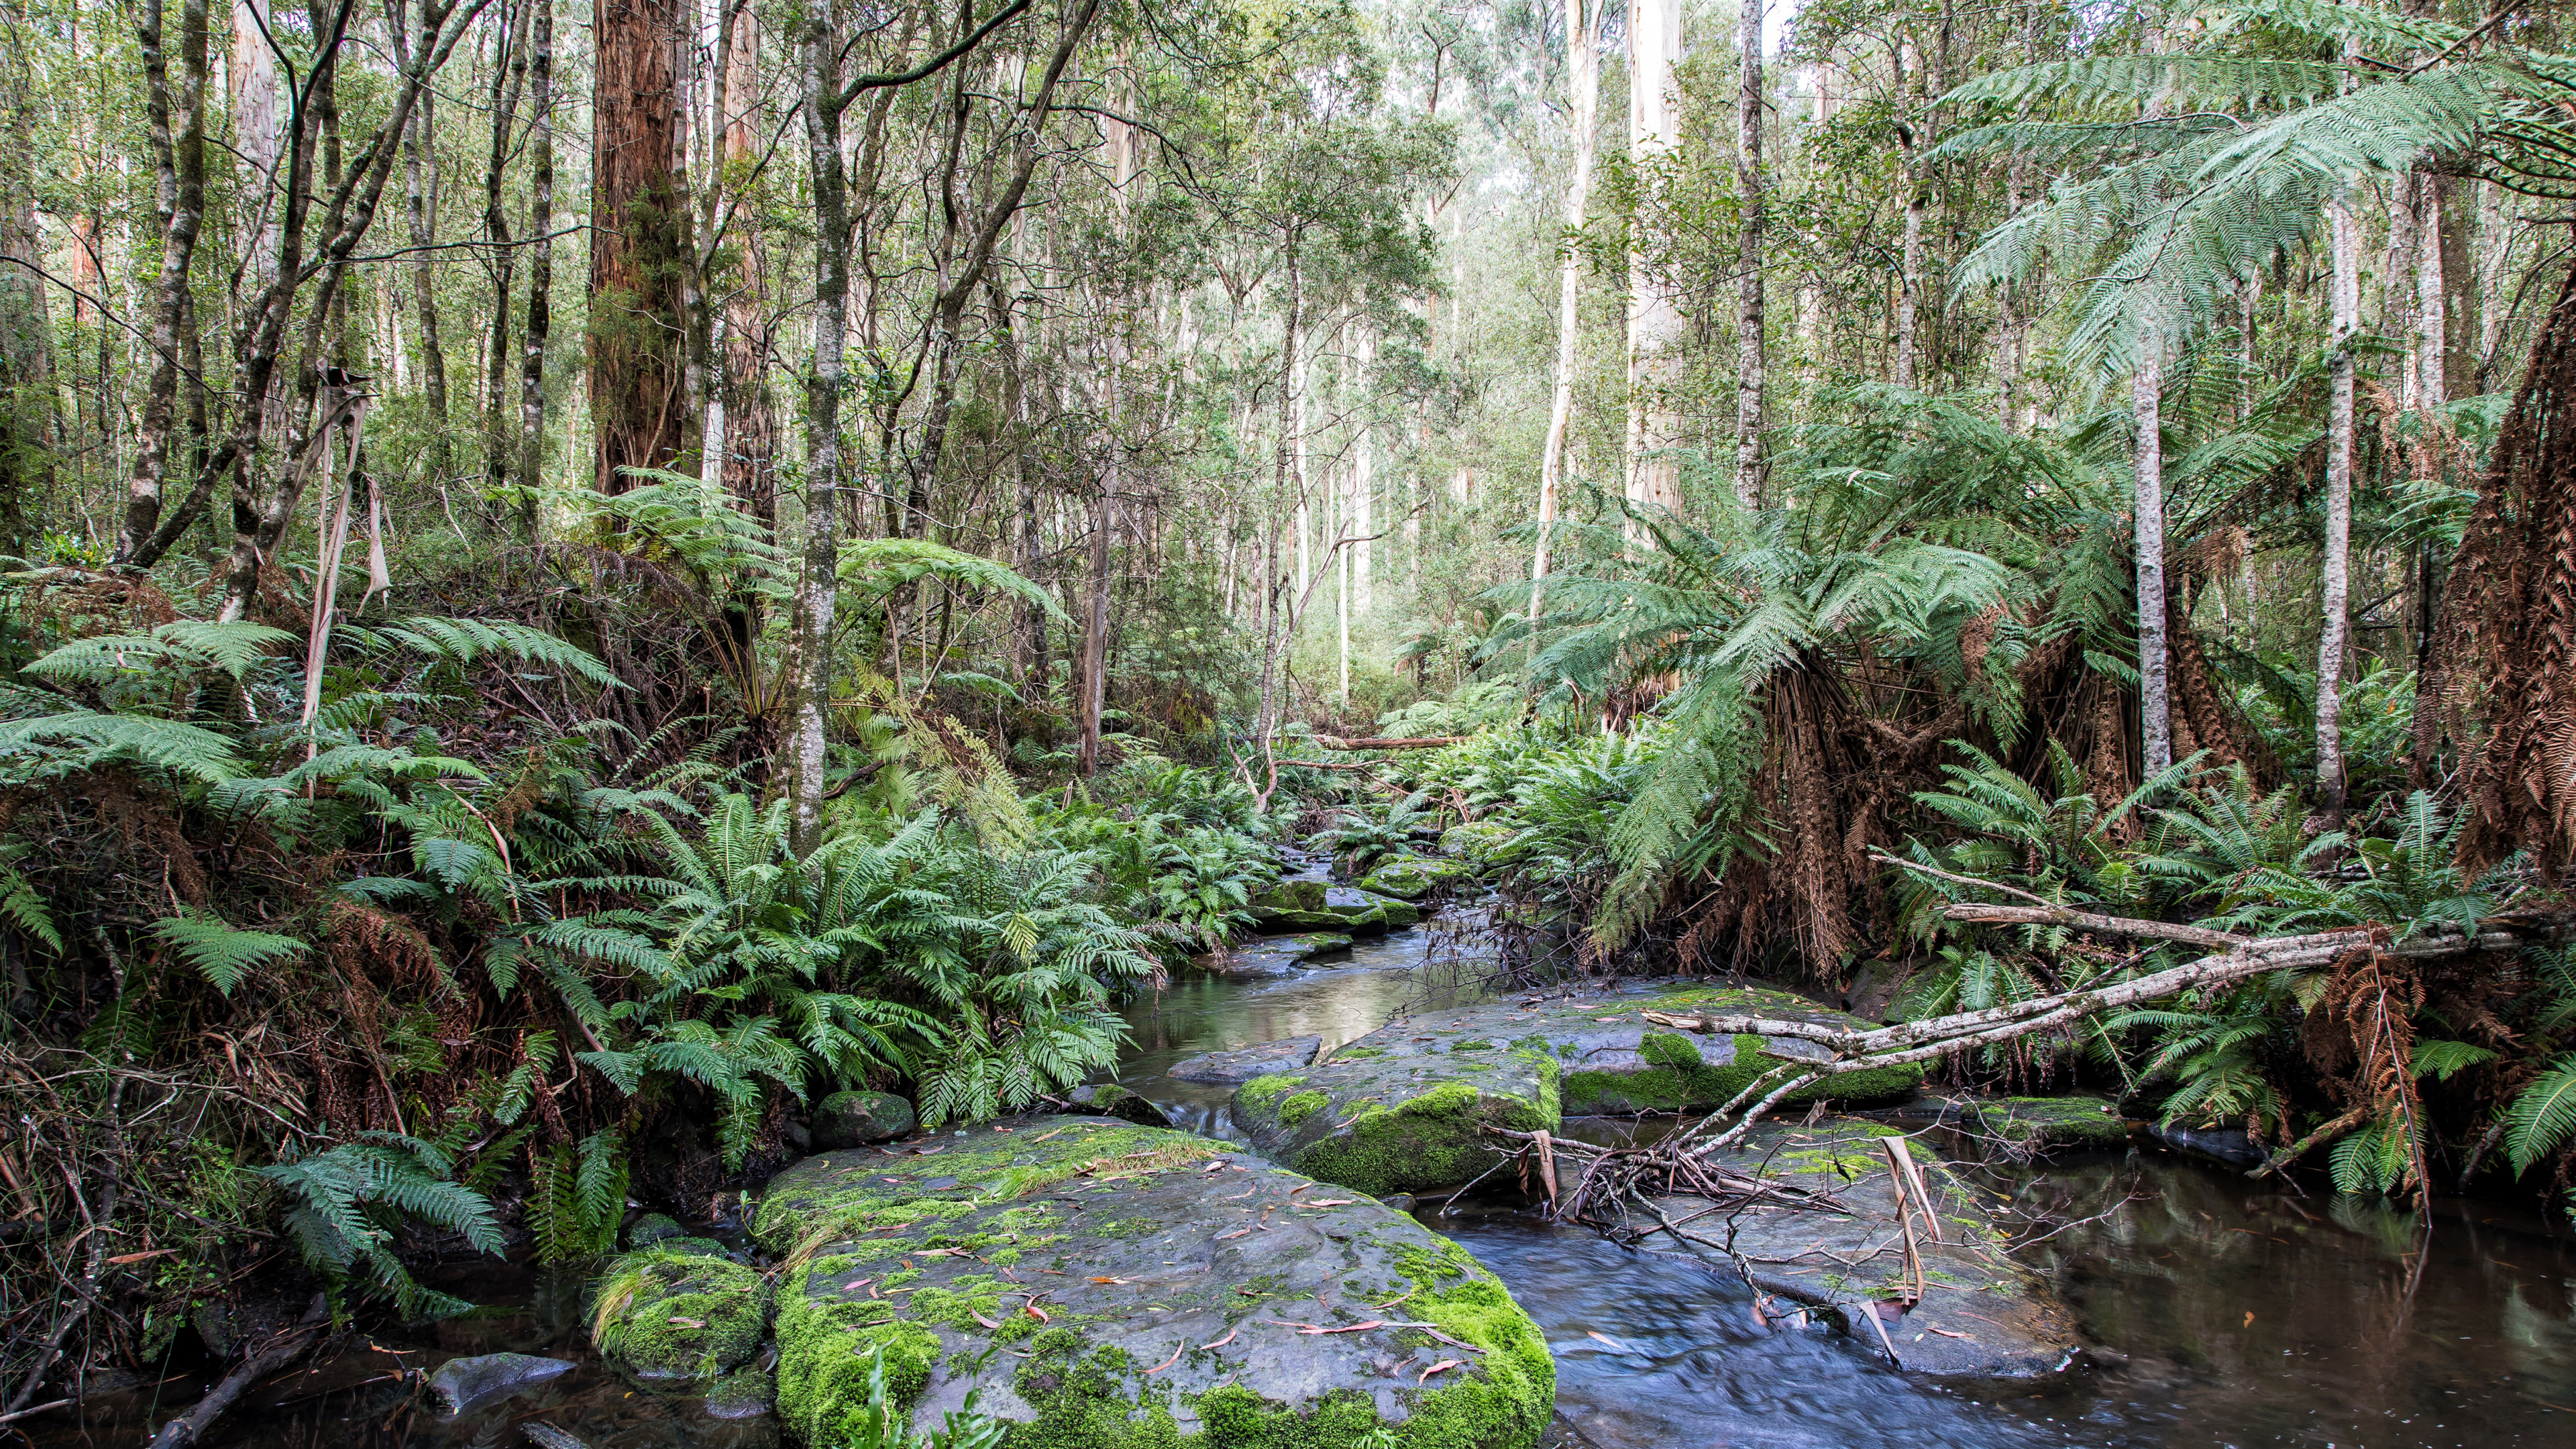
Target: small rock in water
(547,1436)
(1238,1067)
(1108,1099)
(743,1394)
(465,1383)
(653,1228)
(854,1119)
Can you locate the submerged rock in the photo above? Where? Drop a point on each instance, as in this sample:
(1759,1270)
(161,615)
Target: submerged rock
(1108,1099)
(465,1383)
(854,1119)
(742,1394)
(1274,955)
(664,1315)
(1411,877)
(1405,1107)
(2232,1146)
(1979,1314)
(2028,1127)
(653,1228)
(1237,1067)
(1314,905)
(1118,1287)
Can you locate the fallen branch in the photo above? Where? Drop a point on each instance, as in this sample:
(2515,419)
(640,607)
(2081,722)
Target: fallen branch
(277,1353)
(1417,742)
(2349,1122)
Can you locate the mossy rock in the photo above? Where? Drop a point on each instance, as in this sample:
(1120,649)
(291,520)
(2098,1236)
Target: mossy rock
(1980,1314)
(1108,1099)
(1405,1108)
(1475,842)
(2029,1127)
(1413,877)
(742,1394)
(1313,905)
(1274,955)
(665,1316)
(654,1228)
(1099,1285)
(855,1119)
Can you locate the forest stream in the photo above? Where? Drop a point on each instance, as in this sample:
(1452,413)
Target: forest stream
(2222,1313)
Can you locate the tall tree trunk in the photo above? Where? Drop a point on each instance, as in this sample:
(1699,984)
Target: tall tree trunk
(509,79)
(1750,258)
(28,418)
(2431,326)
(420,188)
(541,266)
(1654,316)
(1584,75)
(2345,304)
(639,241)
(2155,696)
(1118,139)
(751,425)
(178,130)
(1284,468)
(818,584)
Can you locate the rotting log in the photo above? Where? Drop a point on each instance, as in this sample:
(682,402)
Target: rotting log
(1418,742)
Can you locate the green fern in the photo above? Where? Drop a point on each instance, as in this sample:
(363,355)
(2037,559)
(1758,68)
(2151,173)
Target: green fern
(349,1199)
(2543,1117)
(221,953)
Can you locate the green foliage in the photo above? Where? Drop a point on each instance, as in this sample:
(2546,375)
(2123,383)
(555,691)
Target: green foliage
(349,1199)
(2542,1118)
(883,1421)
(220,952)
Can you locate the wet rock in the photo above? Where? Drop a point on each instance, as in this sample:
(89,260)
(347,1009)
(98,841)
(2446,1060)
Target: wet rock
(2229,1145)
(466,1383)
(1118,1287)
(2027,1127)
(547,1436)
(1108,1099)
(1412,877)
(1274,955)
(666,1316)
(742,1394)
(1979,1314)
(855,1119)
(1405,1107)
(1237,1067)
(1314,905)
(653,1228)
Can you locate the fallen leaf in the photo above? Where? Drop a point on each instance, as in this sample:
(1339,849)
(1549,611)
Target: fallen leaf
(980,1318)
(1113,1280)
(1330,1202)
(1441,1367)
(1216,1166)
(2249,1319)
(1614,1343)
(1238,1232)
(1038,1313)
(1240,1196)
(139,1257)
(1948,1333)
(1229,1337)
(856,1284)
(688,1322)
(1301,1187)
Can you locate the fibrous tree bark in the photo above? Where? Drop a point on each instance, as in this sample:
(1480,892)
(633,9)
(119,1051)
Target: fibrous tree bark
(2344,305)
(529,467)
(28,416)
(509,82)
(1583,76)
(639,241)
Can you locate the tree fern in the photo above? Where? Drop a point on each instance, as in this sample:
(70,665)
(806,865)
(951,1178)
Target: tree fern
(349,1198)
(221,953)
(2543,1117)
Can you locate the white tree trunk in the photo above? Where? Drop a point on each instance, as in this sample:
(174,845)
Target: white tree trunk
(1585,77)
(2431,305)
(1750,258)
(2344,297)
(1654,316)
(2155,698)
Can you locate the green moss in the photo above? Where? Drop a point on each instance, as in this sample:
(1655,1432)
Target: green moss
(823,1353)
(1676,1078)
(1260,1092)
(1433,1140)
(679,1315)
(1300,1107)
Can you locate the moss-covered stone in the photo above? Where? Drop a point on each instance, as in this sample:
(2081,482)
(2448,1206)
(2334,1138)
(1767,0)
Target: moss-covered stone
(1114,1287)
(652,1228)
(664,1315)
(742,1394)
(854,1119)
(1313,905)
(1414,877)
(2028,1127)
(1108,1099)
(1405,1108)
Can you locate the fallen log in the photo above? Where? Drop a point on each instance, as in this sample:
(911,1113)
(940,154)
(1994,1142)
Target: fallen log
(1417,742)
(281,1350)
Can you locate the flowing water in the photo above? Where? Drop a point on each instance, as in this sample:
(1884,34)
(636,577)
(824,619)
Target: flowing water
(2227,1314)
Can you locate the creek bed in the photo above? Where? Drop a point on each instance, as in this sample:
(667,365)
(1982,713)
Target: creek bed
(2231,1314)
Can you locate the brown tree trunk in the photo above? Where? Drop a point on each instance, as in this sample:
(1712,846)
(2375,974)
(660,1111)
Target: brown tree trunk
(751,423)
(639,240)
(28,419)
(509,78)
(541,266)
(420,178)
(178,116)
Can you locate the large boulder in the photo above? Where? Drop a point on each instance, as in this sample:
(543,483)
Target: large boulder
(1025,1262)
(855,1119)
(1404,1108)
(1413,877)
(665,1316)
(1959,1308)
(1314,905)
(461,1384)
